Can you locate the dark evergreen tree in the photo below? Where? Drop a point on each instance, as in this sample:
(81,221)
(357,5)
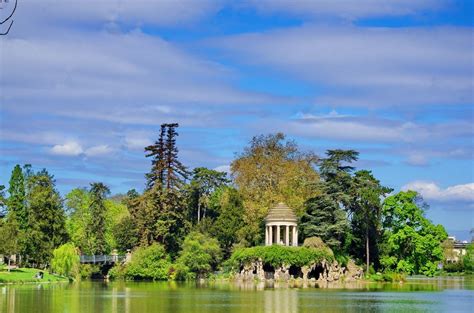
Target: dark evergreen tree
(46,219)
(157,152)
(98,193)
(325,219)
(3,202)
(17,200)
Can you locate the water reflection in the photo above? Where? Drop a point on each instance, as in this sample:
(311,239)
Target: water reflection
(129,297)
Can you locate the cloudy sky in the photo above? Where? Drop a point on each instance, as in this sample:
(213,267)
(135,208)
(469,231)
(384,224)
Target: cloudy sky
(85,84)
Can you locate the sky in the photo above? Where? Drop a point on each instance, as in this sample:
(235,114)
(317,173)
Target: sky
(85,85)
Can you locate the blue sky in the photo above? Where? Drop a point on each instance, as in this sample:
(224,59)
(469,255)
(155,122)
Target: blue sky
(86,84)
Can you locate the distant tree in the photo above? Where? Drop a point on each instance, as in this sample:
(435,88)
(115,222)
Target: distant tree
(203,183)
(412,242)
(468,259)
(366,209)
(98,195)
(272,169)
(46,218)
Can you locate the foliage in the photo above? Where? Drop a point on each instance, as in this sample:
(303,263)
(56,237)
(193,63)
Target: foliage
(167,171)
(98,193)
(413,243)
(46,218)
(125,234)
(277,255)
(366,209)
(10,236)
(468,259)
(203,183)
(314,242)
(150,263)
(65,260)
(324,219)
(454,267)
(229,225)
(17,197)
(3,201)
(200,255)
(271,170)
(89,270)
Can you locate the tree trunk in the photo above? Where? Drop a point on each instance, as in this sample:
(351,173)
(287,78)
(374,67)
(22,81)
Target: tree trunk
(367,248)
(199,211)
(9,262)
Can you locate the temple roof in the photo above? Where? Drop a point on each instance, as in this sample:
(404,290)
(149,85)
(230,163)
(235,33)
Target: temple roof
(281,213)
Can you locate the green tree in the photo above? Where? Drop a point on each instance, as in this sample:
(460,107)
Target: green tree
(166,171)
(468,259)
(125,234)
(324,219)
(10,236)
(17,200)
(98,194)
(46,218)
(66,260)
(3,201)
(199,256)
(366,209)
(150,262)
(229,225)
(271,170)
(203,183)
(413,243)
(78,202)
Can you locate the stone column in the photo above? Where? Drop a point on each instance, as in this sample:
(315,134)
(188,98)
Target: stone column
(270,235)
(296,237)
(287,235)
(294,241)
(278,234)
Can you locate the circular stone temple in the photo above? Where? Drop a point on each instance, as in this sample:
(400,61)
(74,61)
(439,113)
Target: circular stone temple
(281,226)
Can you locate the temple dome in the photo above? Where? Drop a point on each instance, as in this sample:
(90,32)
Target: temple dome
(281,213)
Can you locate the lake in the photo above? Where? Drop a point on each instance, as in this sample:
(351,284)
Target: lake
(454,294)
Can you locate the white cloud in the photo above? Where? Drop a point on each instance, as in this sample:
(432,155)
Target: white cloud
(431,191)
(98,150)
(364,66)
(347,9)
(70,148)
(223,168)
(138,140)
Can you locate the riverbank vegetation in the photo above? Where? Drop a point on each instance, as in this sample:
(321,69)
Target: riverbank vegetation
(188,224)
(28,275)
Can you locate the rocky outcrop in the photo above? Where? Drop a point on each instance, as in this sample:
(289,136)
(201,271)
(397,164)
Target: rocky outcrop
(320,272)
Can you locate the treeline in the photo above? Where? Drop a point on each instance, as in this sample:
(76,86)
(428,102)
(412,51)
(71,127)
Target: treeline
(190,221)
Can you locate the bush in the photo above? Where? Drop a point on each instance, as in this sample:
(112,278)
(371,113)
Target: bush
(199,256)
(147,263)
(88,270)
(453,267)
(278,255)
(314,242)
(66,260)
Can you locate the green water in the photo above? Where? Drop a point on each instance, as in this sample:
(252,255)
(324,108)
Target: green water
(423,295)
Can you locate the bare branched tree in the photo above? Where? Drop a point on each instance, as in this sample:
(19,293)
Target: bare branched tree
(8,18)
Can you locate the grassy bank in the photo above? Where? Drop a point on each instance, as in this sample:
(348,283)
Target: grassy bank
(27,275)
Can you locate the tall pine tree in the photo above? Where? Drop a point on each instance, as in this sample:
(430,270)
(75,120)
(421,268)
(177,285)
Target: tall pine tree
(98,193)
(17,200)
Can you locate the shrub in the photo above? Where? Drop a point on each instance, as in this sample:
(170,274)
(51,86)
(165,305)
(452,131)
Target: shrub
(66,260)
(88,270)
(148,263)
(314,242)
(453,267)
(200,255)
(278,255)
